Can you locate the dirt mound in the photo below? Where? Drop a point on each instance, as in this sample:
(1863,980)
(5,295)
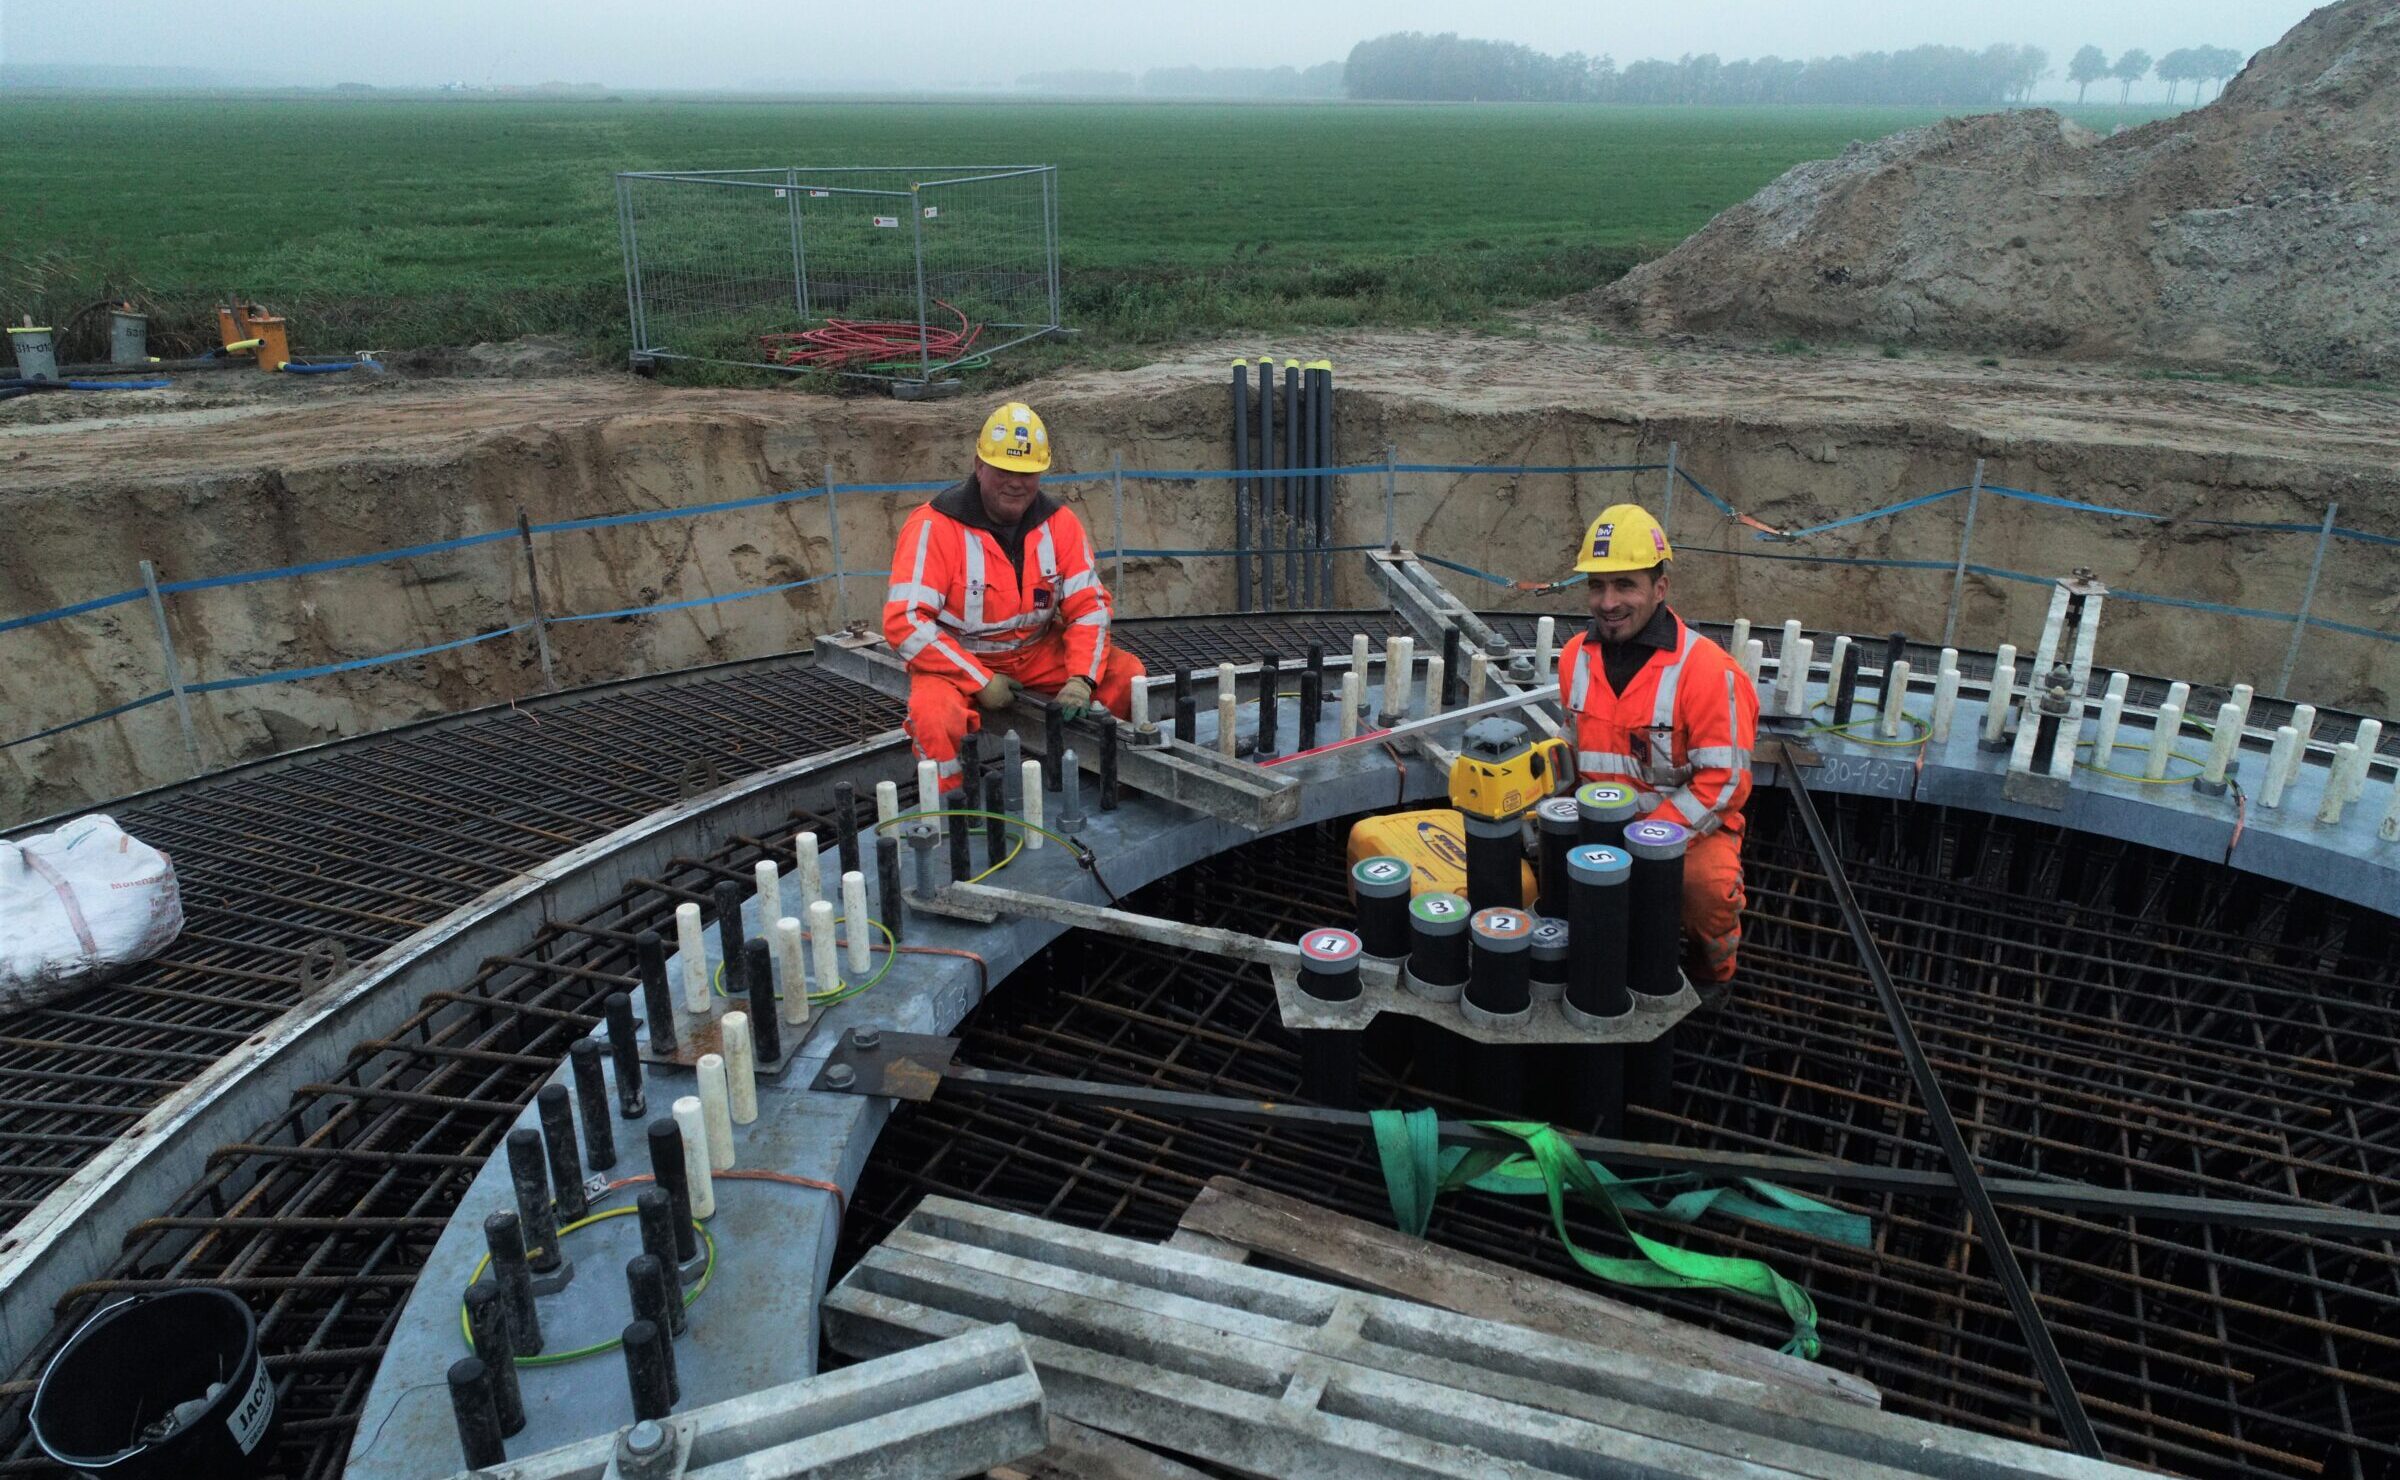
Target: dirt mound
(2258,232)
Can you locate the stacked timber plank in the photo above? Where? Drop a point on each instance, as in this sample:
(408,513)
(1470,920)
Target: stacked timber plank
(1278,1374)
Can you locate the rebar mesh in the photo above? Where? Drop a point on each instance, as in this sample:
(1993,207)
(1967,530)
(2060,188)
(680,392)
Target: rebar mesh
(2098,1011)
(357,848)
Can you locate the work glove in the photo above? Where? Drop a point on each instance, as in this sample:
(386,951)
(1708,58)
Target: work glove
(998,694)
(1074,699)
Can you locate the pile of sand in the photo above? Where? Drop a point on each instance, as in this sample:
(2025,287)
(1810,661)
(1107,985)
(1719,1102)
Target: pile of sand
(2259,232)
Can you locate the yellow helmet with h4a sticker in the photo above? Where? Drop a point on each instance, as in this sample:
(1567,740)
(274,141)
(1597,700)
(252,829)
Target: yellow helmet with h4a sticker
(1624,537)
(1014,440)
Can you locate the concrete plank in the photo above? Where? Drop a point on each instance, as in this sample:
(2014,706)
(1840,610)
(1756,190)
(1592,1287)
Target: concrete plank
(1231,1213)
(1260,1332)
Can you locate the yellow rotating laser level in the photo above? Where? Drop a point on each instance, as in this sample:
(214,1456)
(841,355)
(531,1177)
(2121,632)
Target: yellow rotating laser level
(1501,774)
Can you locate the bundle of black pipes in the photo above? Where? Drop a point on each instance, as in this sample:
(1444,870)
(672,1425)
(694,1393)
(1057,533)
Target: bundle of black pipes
(1283,511)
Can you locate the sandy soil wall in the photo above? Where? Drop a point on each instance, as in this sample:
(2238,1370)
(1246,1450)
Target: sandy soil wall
(216,488)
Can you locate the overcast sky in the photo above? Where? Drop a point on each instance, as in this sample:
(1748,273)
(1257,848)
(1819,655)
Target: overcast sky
(954,43)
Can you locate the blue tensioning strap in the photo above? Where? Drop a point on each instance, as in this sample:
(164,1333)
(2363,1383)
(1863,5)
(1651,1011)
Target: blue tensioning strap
(288,675)
(90,719)
(1919,502)
(115,598)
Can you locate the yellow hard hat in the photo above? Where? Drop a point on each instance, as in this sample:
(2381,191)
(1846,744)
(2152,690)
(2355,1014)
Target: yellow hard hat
(1624,537)
(1014,439)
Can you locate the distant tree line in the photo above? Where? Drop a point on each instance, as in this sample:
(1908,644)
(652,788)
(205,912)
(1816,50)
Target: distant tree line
(2192,64)
(1412,66)
(1321,81)
(1450,68)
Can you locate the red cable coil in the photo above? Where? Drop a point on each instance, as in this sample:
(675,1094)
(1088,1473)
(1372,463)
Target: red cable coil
(845,342)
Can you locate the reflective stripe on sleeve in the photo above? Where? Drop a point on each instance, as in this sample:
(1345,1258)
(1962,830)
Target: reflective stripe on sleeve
(923,635)
(916,577)
(1662,714)
(971,616)
(1703,818)
(1606,763)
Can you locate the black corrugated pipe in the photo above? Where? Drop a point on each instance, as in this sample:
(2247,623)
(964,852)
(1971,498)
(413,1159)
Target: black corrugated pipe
(1299,577)
(1325,459)
(1305,534)
(1262,523)
(1294,455)
(1241,494)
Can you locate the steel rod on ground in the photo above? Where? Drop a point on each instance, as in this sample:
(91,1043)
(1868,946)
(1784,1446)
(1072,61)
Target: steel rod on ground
(2308,600)
(1958,571)
(174,669)
(2066,1405)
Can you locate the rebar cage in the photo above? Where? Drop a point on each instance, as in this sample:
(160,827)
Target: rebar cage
(776,268)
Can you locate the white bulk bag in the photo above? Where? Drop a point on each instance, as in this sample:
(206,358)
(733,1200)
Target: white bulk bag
(77,903)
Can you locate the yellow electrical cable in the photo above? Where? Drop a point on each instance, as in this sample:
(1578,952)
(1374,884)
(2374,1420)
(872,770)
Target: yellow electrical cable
(839,993)
(2198,765)
(466,1328)
(1924,729)
(1009,817)
(1005,860)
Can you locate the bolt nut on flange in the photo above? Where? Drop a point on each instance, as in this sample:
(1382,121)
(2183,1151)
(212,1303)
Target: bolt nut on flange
(840,1076)
(649,1450)
(866,1040)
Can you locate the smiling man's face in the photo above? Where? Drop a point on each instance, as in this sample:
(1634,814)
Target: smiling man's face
(1623,601)
(1006,495)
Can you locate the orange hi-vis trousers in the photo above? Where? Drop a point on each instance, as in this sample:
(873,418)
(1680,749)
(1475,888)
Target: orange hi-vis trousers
(1712,905)
(941,706)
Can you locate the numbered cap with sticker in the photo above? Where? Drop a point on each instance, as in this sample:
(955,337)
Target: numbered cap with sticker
(1381,876)
(1604,797)
(1329,947)
(1656,840)
(1597,863)
(1439,913)
(1503,924)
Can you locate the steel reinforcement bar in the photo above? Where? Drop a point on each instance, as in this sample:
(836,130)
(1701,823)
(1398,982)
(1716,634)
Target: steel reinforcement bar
(2098,1011)
(321,1217)
(295,871)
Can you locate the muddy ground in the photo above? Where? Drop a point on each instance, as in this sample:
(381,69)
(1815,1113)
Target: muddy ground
(225,473)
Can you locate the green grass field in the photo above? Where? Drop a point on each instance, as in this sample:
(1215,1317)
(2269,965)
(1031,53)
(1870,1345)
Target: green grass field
(382,223)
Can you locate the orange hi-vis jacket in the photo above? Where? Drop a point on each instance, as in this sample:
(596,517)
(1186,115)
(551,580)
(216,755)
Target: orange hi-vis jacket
(956,607)
(1680,735)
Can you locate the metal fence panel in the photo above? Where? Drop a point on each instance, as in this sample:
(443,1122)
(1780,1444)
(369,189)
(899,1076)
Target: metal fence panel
(760,267)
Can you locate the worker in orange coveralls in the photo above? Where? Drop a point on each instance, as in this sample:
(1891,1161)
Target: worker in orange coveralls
(995,589)
(1661,709)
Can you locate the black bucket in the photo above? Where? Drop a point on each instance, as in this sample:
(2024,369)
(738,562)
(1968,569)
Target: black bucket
(160,1386)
